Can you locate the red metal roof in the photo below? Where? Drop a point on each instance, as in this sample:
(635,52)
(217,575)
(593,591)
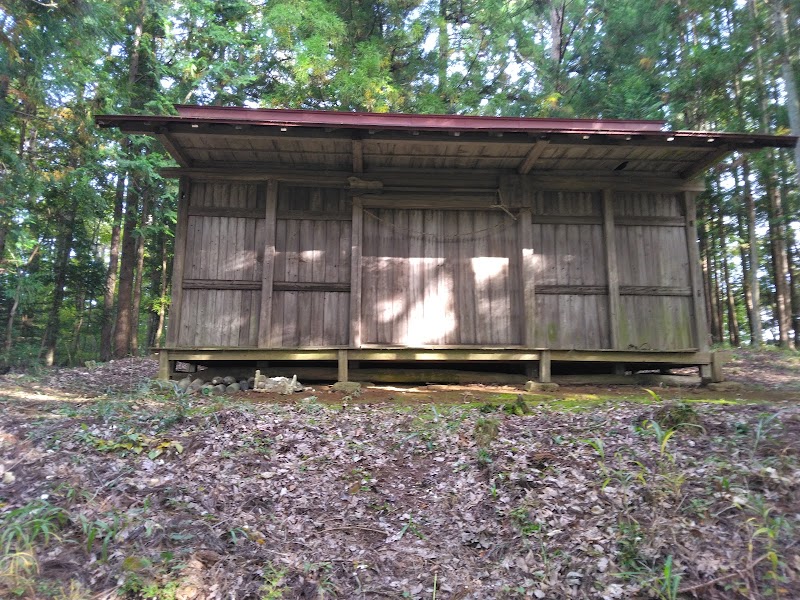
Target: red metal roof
(213,136)
(356,120)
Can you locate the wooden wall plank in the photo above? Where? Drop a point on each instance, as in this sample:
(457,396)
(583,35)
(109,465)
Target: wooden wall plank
(610,239)
(700,326)
(527,276)
(265,314)
(356,239)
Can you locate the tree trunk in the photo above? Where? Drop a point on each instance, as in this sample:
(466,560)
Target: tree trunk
(744,258)
(137,286)
(708,282)
(730,302)
(80,302)
(783,33)
(752,243)
(777,235)
(107,328)
(444,55)
(122,329)
(15,304)
(64,247)
(162,296)
(794,276)
(557,10)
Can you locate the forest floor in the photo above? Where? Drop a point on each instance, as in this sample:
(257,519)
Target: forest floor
(111,487)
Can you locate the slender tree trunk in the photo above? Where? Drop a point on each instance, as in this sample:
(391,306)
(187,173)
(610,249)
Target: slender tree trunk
(137,286)
(64,247)
(744,257)
(794,276)
(752,244)
(162,296)
(122,328)
(80,310)
(780,263)
(783,34)
(15,304)
(557,9)
(107,327)
(730,302)
(708,282)
(444,55)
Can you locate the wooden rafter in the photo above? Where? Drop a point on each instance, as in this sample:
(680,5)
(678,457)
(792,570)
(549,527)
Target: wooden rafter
(527,163)
(701,166)
(174,149)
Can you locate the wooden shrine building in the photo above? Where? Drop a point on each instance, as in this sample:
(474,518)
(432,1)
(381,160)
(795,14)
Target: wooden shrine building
(418,239)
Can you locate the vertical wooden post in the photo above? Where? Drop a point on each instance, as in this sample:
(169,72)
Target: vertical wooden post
(356,233)
(544,367)
(163,365)
(341,356)
(268,270)
(610,237)
(696,280)
(178,263)
(707,372)
(527,275)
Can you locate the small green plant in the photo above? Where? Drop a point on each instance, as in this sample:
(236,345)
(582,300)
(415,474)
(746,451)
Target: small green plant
(764,427)
(24,527)
(274,586)
(628,547)
(663,436)
(412,527)
(100,530)
(131,442)
(486,430)
(519,407)
(670,581)
(521,517)
(484,457)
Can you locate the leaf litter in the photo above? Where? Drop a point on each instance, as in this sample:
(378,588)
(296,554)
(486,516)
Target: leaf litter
(148,495)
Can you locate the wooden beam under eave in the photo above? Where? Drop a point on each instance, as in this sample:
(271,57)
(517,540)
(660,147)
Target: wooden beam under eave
(175,151)
(703,165)
(358,156)
(527,163)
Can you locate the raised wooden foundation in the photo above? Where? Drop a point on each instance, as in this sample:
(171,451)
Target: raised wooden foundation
(532,359)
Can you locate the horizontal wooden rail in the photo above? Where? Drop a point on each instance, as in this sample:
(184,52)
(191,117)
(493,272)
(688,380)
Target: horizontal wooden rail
(278,286)
(624,290)
(309,286)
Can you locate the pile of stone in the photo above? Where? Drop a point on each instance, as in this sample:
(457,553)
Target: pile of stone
(229,385)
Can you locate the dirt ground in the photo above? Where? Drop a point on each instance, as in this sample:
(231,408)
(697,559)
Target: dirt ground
(111,487)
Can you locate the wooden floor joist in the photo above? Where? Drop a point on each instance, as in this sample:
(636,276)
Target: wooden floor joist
(543,358)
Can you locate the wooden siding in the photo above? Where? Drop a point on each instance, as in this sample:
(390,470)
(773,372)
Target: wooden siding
(312,253)
(440,277)
(434,269)
(222,249)
(571,281)
(653,256)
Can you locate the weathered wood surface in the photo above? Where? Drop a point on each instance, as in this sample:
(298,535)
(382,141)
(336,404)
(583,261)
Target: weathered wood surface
(400,375)
(650,255)
(436,277)
(569,254)
(311,300)
(223,249)
(433,276)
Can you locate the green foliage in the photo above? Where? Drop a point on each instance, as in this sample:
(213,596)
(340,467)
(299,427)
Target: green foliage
(37,522)
(696,64)
(131,441)
(486,430)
